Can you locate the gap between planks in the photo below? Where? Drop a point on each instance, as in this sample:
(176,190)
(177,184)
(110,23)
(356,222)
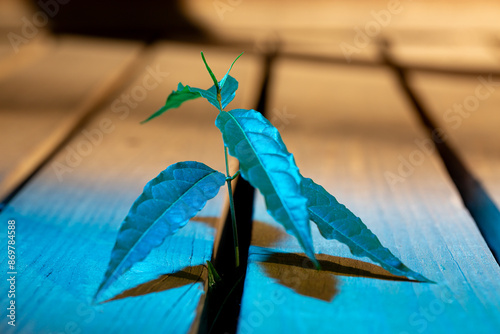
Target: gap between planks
(475,197)
(31,162)
(90,202)
(419,220)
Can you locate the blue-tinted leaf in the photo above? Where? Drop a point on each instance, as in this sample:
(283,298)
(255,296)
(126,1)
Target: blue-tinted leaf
(228,92)
(335,221)
(166,204)
(175,99)
(268,166)
(209,94)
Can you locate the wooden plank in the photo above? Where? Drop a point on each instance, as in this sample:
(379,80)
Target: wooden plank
(13,60)
(335,45)
(476,69)
(348,128)
(66,222)
(455,55)
(22,38)
(41,102)
(348,31)
(274,16)
(467,110)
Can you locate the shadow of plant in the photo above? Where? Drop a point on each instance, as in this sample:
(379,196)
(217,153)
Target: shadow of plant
(293,270)
(187,276)
(297,272)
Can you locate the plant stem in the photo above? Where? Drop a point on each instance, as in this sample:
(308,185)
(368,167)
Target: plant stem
(229,178)
(233,214)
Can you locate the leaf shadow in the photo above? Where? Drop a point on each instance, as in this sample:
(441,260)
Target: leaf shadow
(210,221)
(187,276)
(293,270)
(297,272)
(313,283)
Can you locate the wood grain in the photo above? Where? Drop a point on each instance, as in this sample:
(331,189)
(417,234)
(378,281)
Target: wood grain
(467,110)
(67,221)
(43,99)
(348,127)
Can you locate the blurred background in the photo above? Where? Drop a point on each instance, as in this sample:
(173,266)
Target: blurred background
(458,40)
(425,21)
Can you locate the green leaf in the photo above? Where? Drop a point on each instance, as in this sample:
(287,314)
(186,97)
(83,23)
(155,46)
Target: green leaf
(175,99)
(186,93)
(167,203)
(226,88)
(212,75)
(213,275)
(335,221)
(209,94)
(268,166)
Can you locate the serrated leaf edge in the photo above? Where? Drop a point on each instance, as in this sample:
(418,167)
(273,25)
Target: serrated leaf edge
(112,273)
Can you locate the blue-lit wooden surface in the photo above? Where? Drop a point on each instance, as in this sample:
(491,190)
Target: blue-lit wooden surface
(67,223)
(347,146)
(346,123)
(467,110)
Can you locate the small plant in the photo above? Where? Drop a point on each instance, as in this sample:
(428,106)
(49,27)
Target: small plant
(175,196)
